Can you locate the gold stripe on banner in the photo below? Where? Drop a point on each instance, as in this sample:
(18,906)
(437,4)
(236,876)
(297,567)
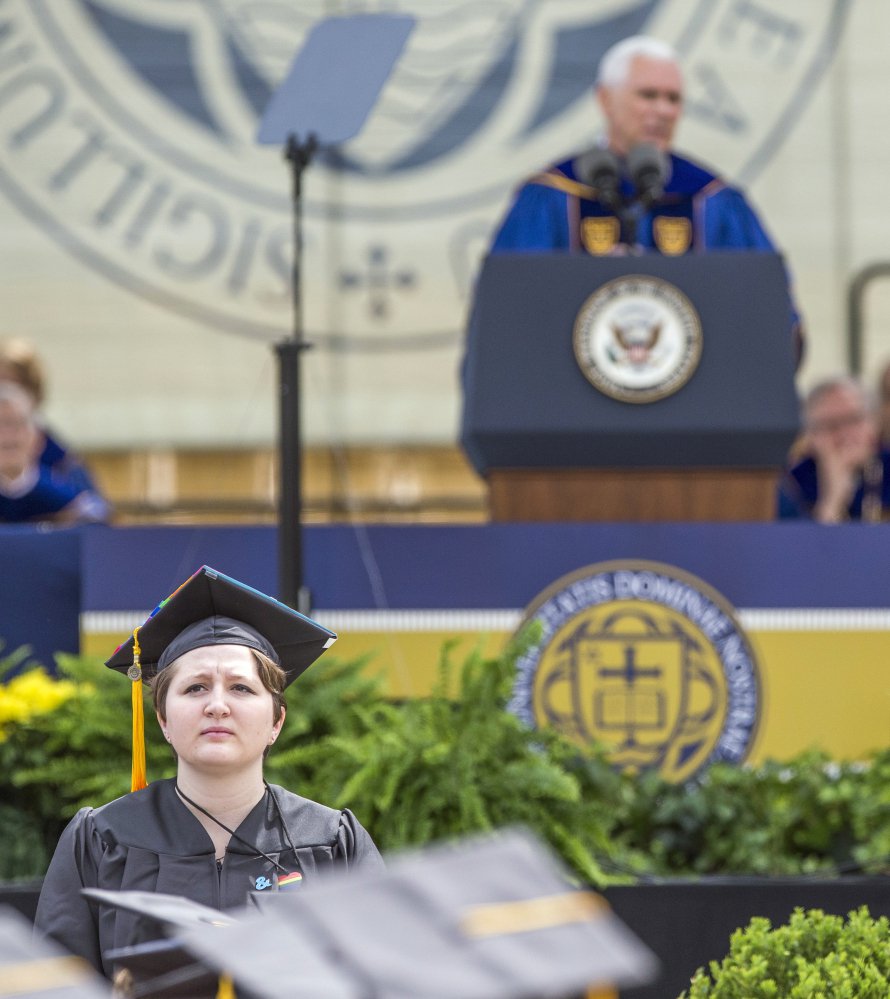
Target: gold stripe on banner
(823,672)
(825,689)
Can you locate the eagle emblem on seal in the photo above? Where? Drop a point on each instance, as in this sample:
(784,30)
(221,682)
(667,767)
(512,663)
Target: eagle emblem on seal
(637,340)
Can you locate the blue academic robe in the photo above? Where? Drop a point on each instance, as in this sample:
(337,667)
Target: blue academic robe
(697,212)
(46,498)
(799,491)
(549,210)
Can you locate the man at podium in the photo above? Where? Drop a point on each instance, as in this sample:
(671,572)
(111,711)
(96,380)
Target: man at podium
(632,193)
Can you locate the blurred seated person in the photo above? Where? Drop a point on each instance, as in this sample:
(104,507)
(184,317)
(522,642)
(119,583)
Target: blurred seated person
(640,93)
(20,364)
(29,490)
(884,406)
(843,472)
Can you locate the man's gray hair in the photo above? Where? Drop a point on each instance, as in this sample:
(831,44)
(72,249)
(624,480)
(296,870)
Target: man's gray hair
(614,66)
(836,383)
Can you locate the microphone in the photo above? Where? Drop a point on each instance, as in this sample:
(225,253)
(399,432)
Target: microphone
(600,168)
(647,166)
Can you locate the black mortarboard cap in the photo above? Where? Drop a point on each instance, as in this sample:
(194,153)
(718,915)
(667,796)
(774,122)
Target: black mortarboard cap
(489,918)
(211,608)
(166,969)
(170,912)
(39,968)
(161,968)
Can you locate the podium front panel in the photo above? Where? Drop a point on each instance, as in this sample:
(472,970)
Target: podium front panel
(528,404)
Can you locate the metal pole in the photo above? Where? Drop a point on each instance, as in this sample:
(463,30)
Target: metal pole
(291,587)
(290,542)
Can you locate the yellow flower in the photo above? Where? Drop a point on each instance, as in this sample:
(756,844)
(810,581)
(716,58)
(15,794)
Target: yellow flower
(28,694)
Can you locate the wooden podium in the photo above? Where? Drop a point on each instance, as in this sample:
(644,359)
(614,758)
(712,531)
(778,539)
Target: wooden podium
(632,494)
(553,447)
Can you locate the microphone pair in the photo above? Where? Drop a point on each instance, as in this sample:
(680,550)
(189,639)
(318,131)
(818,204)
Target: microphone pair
(646,166)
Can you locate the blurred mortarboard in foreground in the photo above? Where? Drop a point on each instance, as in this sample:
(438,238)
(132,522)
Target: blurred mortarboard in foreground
(161,968)
(489,918)
(211,608)
(38,968)
(165,969)
(170,912)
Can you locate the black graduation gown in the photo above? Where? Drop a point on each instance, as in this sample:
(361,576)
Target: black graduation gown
(150,841)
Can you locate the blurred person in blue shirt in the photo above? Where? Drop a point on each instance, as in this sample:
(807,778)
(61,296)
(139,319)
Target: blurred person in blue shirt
(20,365)
(884,405)
(29,490)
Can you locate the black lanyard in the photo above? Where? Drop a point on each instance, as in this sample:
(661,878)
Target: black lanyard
(241,839)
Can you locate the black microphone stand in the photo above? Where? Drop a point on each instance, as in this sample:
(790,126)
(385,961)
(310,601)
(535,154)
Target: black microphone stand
(291,589)
(360,51)
(645,166)
(629,220)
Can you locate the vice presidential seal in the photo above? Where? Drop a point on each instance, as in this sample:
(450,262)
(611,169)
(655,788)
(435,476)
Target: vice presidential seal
(638,338)
(647,659)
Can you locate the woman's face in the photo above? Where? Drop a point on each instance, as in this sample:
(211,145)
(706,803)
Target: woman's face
(219,714)
(18,438)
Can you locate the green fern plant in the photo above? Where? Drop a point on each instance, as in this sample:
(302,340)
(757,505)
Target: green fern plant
(458,762)
(445,766)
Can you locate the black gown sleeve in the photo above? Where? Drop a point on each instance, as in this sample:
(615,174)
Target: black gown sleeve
(62,912)
(355,848)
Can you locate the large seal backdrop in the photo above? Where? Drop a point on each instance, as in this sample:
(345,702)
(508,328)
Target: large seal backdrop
(127,136)
(647,659)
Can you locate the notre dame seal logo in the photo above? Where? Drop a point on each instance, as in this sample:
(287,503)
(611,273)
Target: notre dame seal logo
(644,658)
(638,338)
(600,235)
(673,236)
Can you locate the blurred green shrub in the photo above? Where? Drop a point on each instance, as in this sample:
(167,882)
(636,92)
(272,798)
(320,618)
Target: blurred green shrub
(812,955)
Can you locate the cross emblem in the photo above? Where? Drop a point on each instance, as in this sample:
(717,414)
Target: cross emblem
(379,279)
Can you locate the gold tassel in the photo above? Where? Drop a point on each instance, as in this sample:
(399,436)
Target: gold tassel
(137,774)
(226,988)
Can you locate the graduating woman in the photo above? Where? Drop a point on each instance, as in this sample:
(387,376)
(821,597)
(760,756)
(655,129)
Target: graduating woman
(218,656)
